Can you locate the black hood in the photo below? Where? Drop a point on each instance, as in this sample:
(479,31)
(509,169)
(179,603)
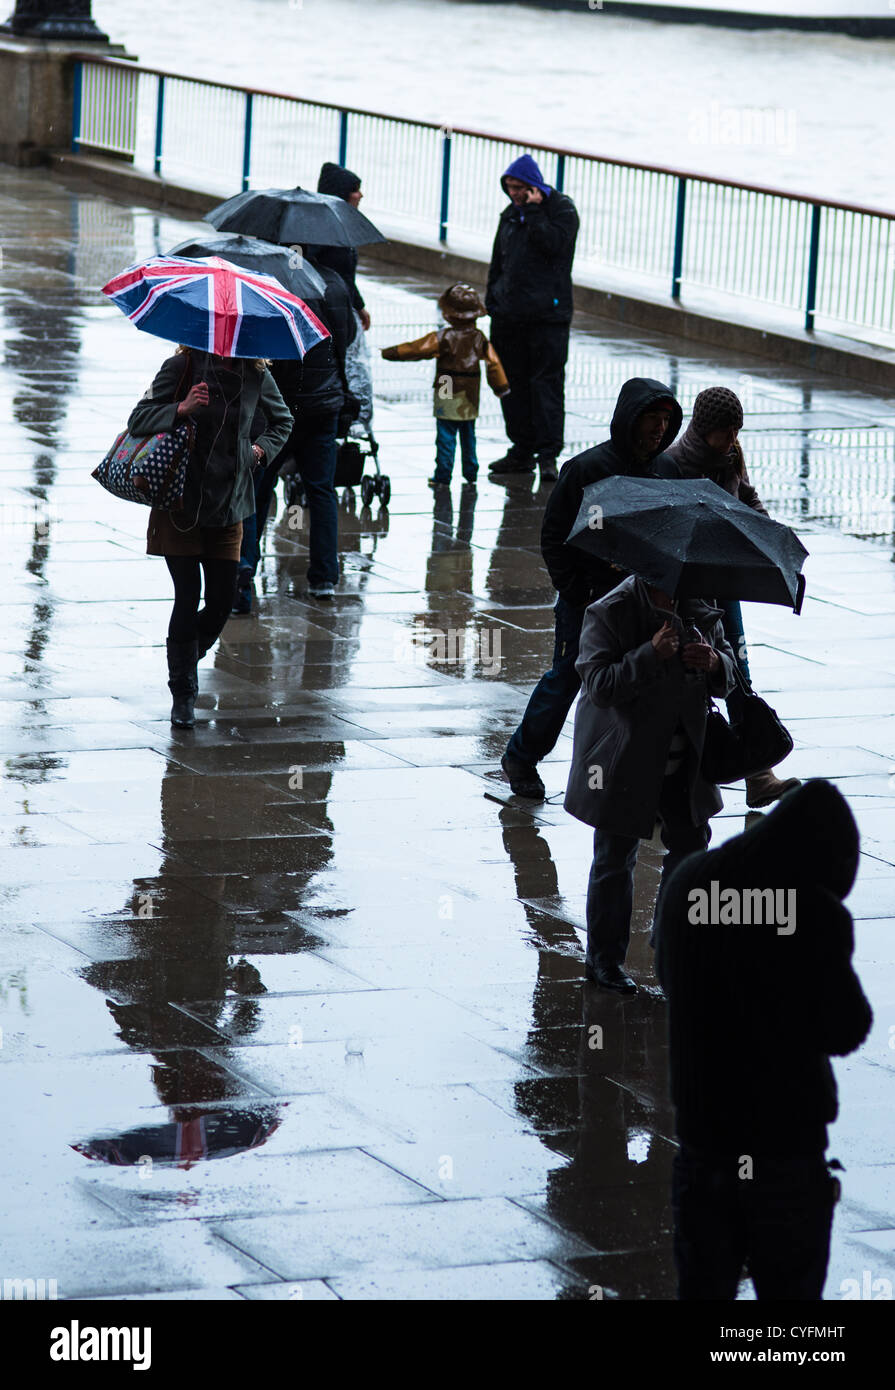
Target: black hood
(636,396)
(337,181)
(809,838)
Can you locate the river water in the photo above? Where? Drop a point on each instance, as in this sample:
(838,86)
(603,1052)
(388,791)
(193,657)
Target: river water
(805,112)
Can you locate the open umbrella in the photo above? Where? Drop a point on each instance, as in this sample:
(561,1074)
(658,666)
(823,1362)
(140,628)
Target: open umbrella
(216,307)
(261,257)
(692,539)
(189,1136)
(294,216)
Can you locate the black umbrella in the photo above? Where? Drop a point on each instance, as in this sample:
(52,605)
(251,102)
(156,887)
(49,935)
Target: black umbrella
(692,539)
(293,216)
(292,271)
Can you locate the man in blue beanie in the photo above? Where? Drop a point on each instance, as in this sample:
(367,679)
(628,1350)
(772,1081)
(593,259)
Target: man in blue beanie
(529,298)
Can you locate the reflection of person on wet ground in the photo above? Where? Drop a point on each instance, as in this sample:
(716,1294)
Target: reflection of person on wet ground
(645,421)
(710,448)
(221,394)
(646,670)
(760,991)
(605,1130)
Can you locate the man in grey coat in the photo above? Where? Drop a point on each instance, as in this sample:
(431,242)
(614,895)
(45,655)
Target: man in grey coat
(647,663)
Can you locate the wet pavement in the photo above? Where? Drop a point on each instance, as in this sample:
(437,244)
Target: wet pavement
(292,1004)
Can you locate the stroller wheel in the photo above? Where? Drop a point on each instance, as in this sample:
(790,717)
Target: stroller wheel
(367,491)
(384,488)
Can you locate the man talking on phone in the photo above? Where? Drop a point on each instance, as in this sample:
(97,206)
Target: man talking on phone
(529,298)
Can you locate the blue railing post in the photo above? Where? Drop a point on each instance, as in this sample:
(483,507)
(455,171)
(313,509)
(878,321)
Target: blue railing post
(813,258)
(560,172)
(76,100)
(677,264)
(159,123)
(445,184)
(247,143)
(343,137)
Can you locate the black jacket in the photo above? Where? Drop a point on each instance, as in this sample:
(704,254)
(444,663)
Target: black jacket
(316,384)
(753,1012)
(530,277)
(581,578)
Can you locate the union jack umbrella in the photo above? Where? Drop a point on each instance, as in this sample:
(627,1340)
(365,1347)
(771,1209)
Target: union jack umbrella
(209,304)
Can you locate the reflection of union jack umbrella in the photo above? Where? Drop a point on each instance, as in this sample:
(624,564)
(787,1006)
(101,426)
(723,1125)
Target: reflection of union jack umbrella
(216,307)
(188,1139)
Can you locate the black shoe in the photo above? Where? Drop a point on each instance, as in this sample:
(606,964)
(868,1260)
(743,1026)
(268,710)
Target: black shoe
(436,482)
(547,468)
(470,475)
(523,778)
(515,461)
(610,977)
(242,602)
(183,682)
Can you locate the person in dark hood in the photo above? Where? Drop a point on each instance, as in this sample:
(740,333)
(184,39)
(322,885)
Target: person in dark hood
(341,183)
(647,664)
(710,448)
(646,420)
(529,298)
(753,949)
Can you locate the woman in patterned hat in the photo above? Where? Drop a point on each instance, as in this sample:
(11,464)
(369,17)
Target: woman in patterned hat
(710,448)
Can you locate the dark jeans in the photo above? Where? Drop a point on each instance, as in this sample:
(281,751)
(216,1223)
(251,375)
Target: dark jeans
(446,432)
(534,359)
(777,1223)
(555,692)
(265,480)
(610,888)
(313,445)
(187,623)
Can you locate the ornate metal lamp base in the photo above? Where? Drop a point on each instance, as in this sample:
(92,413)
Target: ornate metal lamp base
(54,19)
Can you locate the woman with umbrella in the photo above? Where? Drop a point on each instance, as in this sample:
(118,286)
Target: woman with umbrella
(241,420)
(709,448)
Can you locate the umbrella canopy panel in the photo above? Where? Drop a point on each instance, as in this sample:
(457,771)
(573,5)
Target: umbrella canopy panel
(294,216)
(216,307)
(294,273)
(690,538)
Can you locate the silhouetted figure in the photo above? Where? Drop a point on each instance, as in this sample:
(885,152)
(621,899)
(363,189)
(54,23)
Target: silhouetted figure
(755,1008)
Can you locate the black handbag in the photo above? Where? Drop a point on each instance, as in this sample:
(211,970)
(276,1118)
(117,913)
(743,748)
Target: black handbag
(754,740)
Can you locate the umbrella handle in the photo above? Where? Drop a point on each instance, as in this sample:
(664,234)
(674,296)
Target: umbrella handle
(800,593)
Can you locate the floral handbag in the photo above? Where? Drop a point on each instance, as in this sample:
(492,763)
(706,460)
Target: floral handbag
(149,470)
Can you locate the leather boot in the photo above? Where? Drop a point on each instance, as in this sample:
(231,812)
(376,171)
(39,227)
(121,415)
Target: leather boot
(763,787)
(183,682)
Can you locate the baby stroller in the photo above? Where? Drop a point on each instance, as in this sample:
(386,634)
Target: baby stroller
(351,460)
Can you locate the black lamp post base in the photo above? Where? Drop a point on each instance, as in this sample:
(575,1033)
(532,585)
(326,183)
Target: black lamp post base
(54,19)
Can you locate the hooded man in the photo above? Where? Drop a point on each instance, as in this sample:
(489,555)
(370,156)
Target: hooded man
(529,298)
(646,420)
(753,949)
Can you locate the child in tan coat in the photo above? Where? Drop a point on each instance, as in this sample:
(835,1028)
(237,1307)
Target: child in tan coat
(458,348)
